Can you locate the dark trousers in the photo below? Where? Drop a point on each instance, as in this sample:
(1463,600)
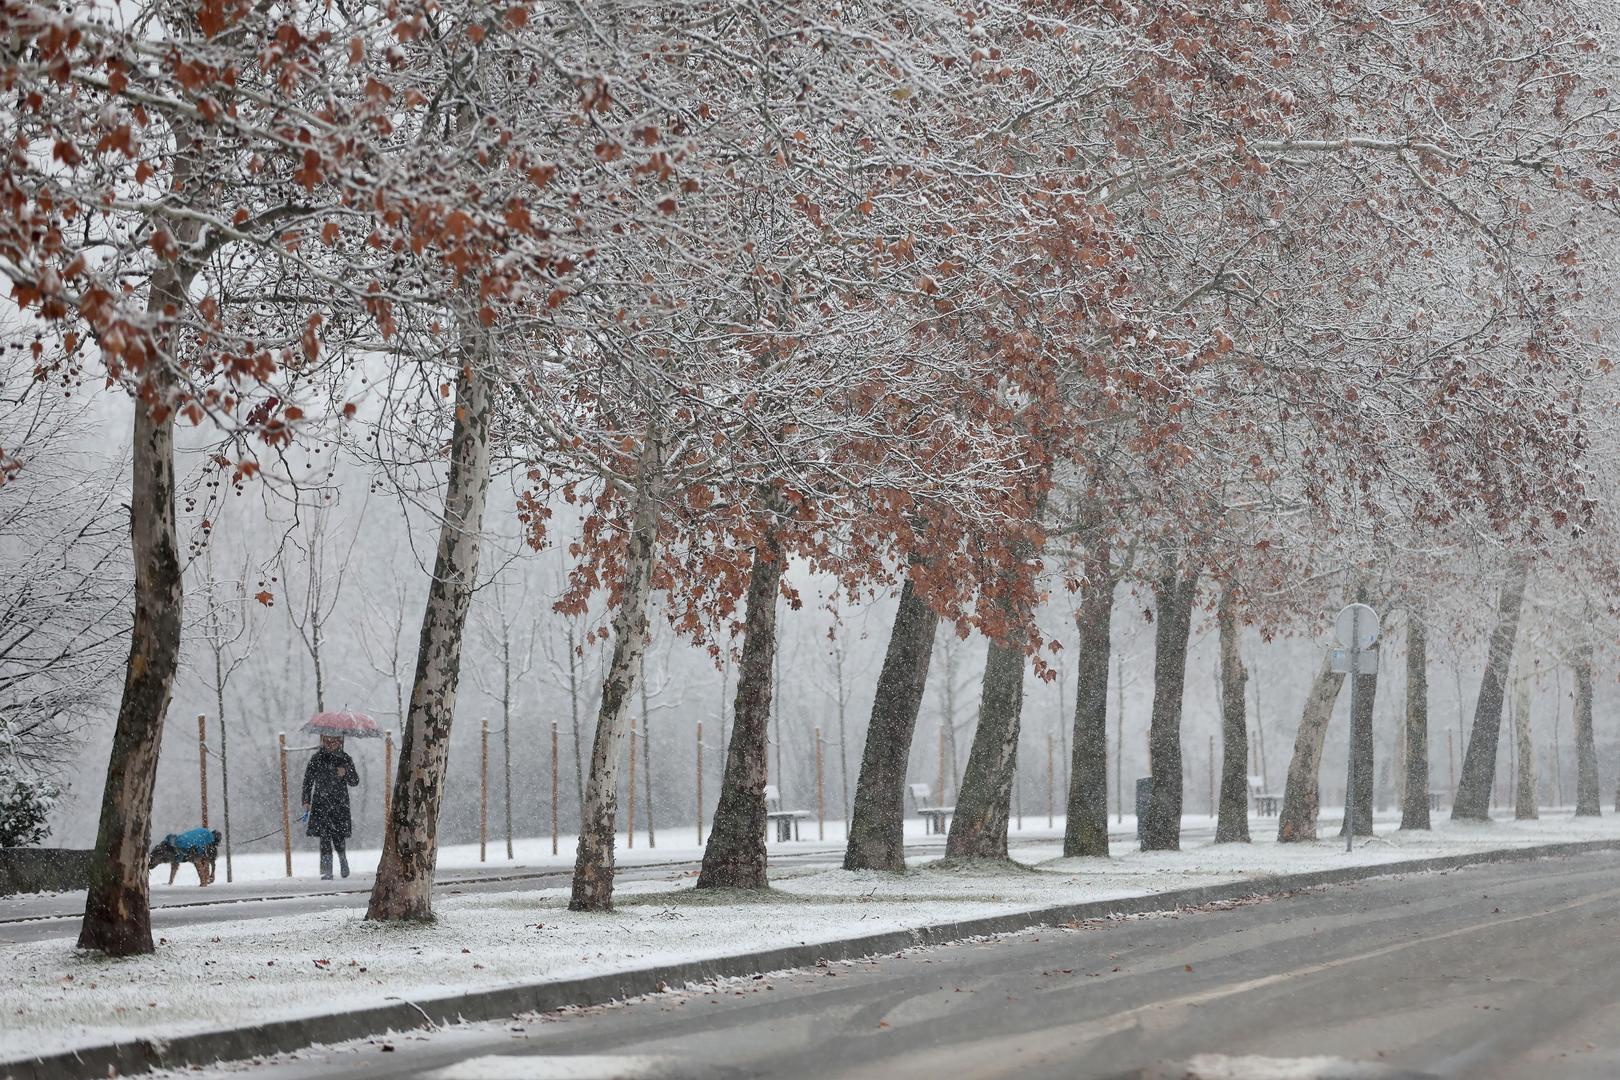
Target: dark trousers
(330,844)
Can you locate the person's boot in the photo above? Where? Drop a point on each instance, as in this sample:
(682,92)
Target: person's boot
(343,864)
(326,864)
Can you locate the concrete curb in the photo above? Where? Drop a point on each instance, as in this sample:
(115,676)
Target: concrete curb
(204,1048)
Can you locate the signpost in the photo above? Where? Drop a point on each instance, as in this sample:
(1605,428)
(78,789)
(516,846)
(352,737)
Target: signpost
(1356,630)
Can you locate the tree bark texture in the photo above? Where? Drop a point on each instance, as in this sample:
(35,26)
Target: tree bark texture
(1524,793)
(1085,832)
(1175,594)
(984,802)
(1473,801)
(593,861)
(117,918)
(1415,806)
(1232,821)
(1301,793)
(1588,797)
(979,826)
(735,855)
(403,888)
(877,826)
(1361,758)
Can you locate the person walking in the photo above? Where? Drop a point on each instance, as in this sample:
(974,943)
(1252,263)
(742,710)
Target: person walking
(327,780)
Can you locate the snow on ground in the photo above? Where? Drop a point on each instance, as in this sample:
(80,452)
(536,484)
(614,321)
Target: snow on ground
(223,974)
(528,853)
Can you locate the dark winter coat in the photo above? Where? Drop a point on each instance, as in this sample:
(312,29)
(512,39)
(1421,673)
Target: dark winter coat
(327,793)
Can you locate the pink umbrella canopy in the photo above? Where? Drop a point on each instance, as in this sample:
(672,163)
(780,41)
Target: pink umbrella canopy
(347,724)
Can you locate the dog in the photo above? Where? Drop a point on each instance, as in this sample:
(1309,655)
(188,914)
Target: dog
(199,847)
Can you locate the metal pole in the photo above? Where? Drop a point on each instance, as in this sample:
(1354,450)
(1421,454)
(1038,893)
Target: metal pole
(1355,695)
(700,782)
(388,779)
(202,764)
(1211,761)
(554,787)
(286,816)
(483,789)
(940,791)
(225,796)
(630,817)
(821,798)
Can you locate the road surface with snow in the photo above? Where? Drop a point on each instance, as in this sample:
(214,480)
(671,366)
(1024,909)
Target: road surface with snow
(1493,971)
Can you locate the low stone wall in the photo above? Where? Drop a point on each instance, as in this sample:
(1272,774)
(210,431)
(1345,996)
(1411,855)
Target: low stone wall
(43,870)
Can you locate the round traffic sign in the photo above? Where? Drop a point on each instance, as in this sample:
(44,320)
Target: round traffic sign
(1356,628)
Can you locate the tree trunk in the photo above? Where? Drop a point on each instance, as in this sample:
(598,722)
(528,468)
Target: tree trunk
(593,863)
(877,826)
(1361,757)
(404,885)
(1301,795)
(117,918)
(979,826)
(1085,831)
(1588,798)
(1473,801)
(1232,822)
(1174,600)
(1415,808)
(1524,794)
(735,855)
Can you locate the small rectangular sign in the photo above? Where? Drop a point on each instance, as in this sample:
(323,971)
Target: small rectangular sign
(1366,662)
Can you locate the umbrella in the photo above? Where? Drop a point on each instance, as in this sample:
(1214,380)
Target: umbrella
(348,724)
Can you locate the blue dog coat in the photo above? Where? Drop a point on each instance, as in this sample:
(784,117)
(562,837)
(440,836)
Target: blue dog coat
(192,842)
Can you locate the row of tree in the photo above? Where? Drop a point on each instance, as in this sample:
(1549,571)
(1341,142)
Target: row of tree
(978,303)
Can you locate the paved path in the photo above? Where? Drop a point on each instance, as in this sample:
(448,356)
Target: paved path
(1489,972)
(38,918)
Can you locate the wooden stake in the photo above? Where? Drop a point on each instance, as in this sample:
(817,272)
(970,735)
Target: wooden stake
(1119,740)
(225,797)
(700,782)
(554,787)
(286,814)
(202,764)
(821,796)
(506,787)
(388,778)
(630,814)
(483,789)
(1451,767)
(1049,780)
(1211,761)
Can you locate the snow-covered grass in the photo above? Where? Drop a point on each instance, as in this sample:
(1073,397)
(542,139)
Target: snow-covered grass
(222,974)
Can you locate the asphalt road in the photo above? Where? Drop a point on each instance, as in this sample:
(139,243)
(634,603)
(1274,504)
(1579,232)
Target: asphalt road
(1507,971)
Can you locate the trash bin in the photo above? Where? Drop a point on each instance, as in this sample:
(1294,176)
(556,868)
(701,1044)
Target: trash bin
(1144,793)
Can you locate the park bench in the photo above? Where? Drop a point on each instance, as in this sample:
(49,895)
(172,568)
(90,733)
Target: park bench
(1434,801)
(785,821)
(1266,804)
(936,819)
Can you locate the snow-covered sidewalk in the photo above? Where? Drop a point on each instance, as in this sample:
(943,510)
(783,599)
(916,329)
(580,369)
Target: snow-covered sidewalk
(218,975)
